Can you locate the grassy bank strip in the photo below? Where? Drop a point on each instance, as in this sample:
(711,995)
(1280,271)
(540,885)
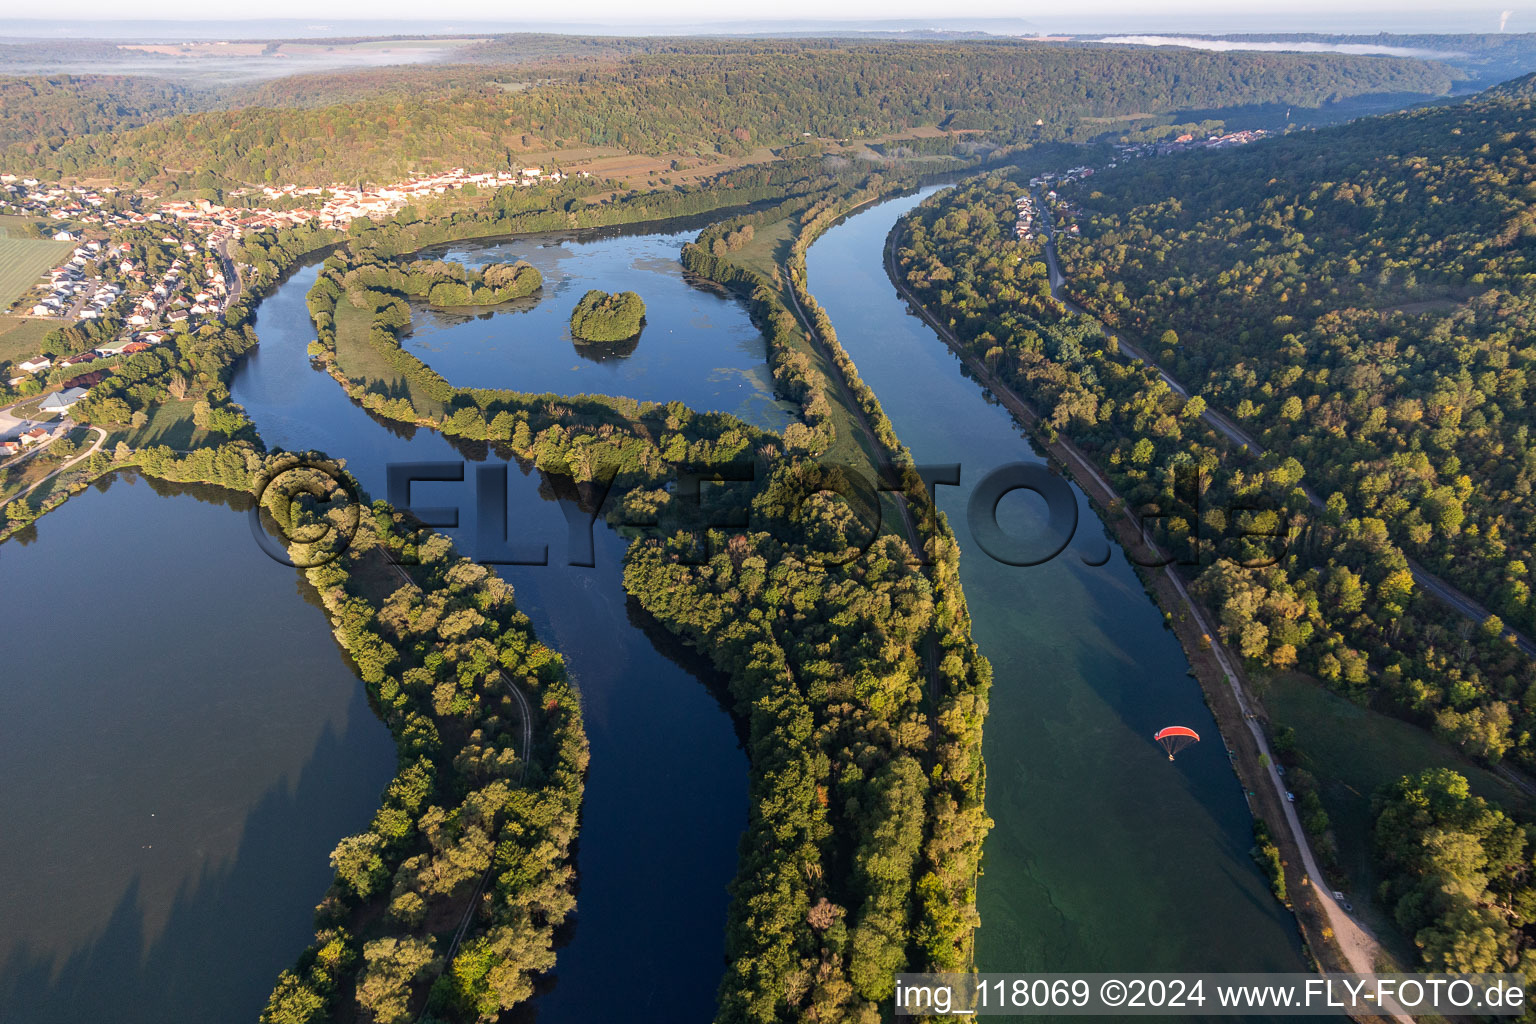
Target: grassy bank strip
(811,366)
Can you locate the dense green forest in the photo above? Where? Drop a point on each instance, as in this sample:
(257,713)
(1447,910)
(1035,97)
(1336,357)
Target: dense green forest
(1337,601)
(1458,875)
(1373,290)
(1357,298)
(448,285)
(693,101)
(476,826)
(55,108)
(935,923)
(847,649)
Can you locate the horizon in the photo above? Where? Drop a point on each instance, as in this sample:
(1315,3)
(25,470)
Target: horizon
(93,21)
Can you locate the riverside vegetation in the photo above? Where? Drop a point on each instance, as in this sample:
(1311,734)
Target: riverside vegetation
(866,784)
(866,814)
(475,827)
(846,644)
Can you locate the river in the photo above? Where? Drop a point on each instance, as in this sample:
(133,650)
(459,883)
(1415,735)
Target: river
(1105,856)
(182,744)
(666,792)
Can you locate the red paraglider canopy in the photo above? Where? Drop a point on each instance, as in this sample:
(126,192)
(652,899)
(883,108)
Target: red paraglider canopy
(1175,738)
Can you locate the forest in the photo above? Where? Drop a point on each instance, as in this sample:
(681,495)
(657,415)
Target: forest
(476,826)
(1336,600)
(712,100)
(1324,291)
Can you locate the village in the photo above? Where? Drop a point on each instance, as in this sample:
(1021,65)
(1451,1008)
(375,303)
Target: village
(102,278)
(1050,181)
(108,278)
(333,205)
(105,278)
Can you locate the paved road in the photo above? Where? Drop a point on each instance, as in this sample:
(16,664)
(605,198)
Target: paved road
(233,286)
(101,436)
(1436,587)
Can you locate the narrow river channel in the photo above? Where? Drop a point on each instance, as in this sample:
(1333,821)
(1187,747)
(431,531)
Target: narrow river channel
(1105,856)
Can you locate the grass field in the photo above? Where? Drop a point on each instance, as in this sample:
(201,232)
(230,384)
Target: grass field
(358,359)
(22,336)
(170,424)
(23,261)
(1353,751)
(769,249)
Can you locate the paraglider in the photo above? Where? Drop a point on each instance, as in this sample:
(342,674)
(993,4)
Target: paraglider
(1175,738)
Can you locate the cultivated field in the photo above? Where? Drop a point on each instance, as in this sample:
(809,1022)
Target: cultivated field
(23,261)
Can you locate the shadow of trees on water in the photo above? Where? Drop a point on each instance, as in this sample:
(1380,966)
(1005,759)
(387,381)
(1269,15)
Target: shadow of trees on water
(232,929)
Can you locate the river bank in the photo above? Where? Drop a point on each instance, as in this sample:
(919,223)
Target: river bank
(1103,855)
(1337,944)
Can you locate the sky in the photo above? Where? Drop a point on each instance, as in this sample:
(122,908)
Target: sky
(623,16)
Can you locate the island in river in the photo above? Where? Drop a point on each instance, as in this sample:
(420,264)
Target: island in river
(604,317)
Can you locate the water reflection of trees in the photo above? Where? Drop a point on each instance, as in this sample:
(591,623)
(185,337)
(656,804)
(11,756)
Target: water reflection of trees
(607,351)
